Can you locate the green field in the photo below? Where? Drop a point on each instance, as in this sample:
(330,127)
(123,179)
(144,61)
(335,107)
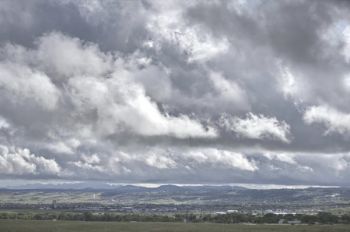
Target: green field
(70,226)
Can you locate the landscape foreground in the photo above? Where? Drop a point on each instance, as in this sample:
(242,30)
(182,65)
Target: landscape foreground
(72,226)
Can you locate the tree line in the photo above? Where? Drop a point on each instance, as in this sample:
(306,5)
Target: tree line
(321,217)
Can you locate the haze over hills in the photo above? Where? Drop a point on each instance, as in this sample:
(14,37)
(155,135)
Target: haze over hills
(111,185)
(173,194)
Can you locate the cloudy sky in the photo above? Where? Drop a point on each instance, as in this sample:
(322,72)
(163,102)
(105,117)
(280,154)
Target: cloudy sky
(175,91)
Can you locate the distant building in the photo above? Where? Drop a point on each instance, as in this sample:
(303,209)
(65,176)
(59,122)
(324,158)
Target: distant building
(294,222)
(54,204)
(220,213)
(257,212)
(268,211)
(232,211)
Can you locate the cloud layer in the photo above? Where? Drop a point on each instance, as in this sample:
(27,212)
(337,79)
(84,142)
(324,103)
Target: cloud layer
(170,91)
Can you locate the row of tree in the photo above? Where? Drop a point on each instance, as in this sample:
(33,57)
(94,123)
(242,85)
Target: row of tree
(322,217)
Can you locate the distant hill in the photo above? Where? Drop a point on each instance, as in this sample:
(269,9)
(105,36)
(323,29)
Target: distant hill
(173,194)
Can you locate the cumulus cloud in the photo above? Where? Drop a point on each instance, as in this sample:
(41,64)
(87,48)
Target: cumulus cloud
(78,58)
(17,161)
(160,162)
(287,158)
(258,127)
(221,158)
(335,121)
(136,90)
(4,124)
(157,163)
(288,83)
(228,91)
(168,24)
(119,101)
(22,83)
(346,39)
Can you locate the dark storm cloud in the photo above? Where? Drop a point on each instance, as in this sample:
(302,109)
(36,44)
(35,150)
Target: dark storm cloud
(241,91)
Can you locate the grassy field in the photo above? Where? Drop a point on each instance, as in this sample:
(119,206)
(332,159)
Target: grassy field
(72,226)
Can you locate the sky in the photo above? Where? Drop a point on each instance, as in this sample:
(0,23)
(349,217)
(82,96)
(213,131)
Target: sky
(188,92)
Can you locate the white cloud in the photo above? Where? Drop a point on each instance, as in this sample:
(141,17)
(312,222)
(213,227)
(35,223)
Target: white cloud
(88,168)
(102,165)
(294,85)
(23,84)
(164,76)
(63,147)
(65,56)
(59,56)
(283,157)
(288,158)
(93,159)
(194,158)
(288,83)
(346,48)
(123,103)
(219,158)
(229,91)
(257,127)
(151,160)
(193,40)
(160,162)
(346,82)
(17,161)
(3,123)
(60,147)
(337,163)
(94,82)
(332,119)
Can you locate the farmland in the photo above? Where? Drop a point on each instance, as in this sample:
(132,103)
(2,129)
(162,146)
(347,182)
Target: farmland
(72,226)
(175,199)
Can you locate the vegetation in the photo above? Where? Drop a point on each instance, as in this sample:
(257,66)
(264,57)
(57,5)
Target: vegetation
(320,218)
(74,226)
